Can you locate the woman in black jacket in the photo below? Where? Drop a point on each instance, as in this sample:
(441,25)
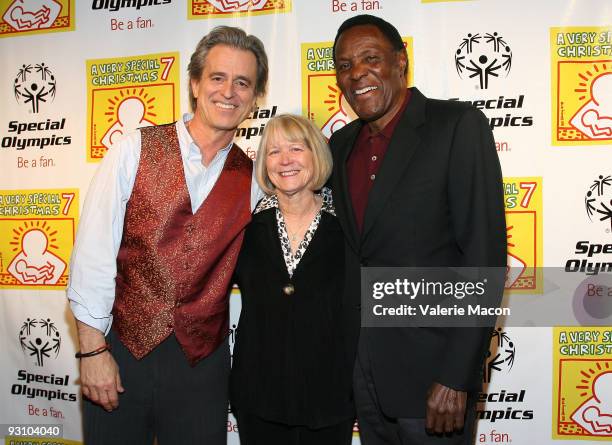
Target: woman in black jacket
(291,380)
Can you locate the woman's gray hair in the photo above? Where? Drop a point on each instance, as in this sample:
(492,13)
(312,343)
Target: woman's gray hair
(234,38)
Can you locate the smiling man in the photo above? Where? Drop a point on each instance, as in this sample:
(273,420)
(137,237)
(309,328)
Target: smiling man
(155,251)
(416,183)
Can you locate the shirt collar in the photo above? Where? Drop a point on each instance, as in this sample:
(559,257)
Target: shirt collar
(189,148)
(271,201)
(387,132)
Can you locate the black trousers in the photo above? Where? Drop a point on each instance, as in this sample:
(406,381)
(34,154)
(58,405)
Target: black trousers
(375,428)
(165,398)
(254,430)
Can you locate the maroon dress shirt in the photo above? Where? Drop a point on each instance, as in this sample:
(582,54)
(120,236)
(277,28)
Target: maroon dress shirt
(365,160)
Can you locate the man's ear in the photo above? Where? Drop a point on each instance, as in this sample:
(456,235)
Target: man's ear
(194,87)
(403,63)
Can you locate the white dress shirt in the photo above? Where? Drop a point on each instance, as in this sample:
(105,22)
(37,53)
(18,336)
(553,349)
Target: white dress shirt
(93,266)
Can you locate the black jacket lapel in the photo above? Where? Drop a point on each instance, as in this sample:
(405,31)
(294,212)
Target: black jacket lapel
(270,241)
(340,191)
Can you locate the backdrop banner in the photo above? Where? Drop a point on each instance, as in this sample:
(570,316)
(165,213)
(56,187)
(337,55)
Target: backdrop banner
(77,75)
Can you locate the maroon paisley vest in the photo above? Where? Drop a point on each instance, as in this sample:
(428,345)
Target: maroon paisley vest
(174,267)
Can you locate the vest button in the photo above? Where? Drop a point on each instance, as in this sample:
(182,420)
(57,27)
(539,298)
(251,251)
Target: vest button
(178,304)
(289,289)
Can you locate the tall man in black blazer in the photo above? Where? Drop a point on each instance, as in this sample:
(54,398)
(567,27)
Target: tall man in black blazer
(416,182)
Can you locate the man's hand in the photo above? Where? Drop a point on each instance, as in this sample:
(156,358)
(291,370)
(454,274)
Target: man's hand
(445,409)
(100,380)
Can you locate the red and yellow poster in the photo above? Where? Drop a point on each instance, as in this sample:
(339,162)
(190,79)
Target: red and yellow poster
(37,230)
(582,384)
(126,93)
(206,9)
(23,17)
(581,84)
(523,202)
(322,101)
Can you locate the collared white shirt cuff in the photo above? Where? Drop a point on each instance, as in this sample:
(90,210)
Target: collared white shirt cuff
(102,324)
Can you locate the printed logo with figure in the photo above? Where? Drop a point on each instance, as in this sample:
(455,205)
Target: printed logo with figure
(594,118)
(322,101)
(128,93)
(598,201)
(37,230)
(204,9)
(36,16)
(131,113)
(35,263)
(34,85)
(238,5)
(583,384)
(501,354)
(342,111)
(483,56)
(595,414)
(523,202)
(20,14)
(581,85)
(39,340)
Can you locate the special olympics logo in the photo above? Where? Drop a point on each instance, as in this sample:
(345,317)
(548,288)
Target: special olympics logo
(39,339)
(502,352)
(598,200)
(34,84)
(483,56)
(237,5)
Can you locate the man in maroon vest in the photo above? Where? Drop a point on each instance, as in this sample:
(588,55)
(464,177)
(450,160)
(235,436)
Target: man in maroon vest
(156,248)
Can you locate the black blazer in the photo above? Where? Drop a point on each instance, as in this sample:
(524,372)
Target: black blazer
(437,201)
(290,364)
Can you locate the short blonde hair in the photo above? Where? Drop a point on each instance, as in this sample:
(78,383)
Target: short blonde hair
(295,129)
